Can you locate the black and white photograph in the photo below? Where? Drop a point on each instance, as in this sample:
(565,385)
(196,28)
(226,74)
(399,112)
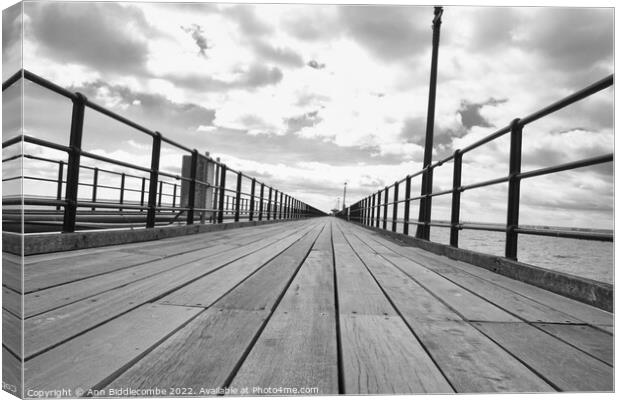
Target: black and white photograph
(206,199)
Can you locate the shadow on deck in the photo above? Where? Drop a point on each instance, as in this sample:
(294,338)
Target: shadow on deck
(301,307)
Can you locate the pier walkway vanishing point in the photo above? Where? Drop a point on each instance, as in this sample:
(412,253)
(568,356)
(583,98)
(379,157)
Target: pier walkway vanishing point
(321,304)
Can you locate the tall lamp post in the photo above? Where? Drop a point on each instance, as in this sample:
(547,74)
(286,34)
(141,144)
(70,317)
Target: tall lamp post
(423,231)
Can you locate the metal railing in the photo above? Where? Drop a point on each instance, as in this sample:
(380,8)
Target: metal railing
(372,210)
(154,207)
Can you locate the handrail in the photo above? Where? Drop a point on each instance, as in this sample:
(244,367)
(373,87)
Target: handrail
(152,186)
(373,209)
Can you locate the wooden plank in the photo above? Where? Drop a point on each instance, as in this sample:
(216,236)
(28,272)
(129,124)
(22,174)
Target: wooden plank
(381,356)
(358,293)
(12,332)
(71,266)
(470,361)
(12,301)
(202,241)
(11,373)
(200,355)
(298,346)
(588,339)
(606,328)
(11,272)
(257,292)
(56,272)
(50,328)
(518,305)
(206,352)
(205,291)
(48,299)
(579,311)
(93,358)
(467,305)
(564,366)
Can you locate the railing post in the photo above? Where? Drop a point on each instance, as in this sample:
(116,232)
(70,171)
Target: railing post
(252,195)
(385,208)
(153,178)
(95,183)
(456,199)
(73,164)
(238,196)
(61,167)
(122,189)
(191,199)
(372,211)
(407,205)
(378,217)
(262,201)
(395,207)
(222,193)
(514,188)
(174,195)
(161,190)
(142,193)
(281,205)
(269,205)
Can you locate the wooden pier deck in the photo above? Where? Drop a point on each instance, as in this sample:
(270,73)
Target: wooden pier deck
(317,306)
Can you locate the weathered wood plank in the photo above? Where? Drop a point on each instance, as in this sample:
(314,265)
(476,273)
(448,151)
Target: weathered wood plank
(566,367)
(94,357)
(257,292)
(12,332)
(470,361)
(381,356)
(48,299)
(11,272)
(206,352)
(56,272)
(50,328)
(205,291)
(298,346)
(358,293)
(12,301)
(579,311)
(11,373)
(468,305)
(588,339)
(71,266)
(202,354)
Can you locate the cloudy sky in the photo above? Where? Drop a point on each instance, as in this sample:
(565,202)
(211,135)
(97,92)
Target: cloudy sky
(306,97)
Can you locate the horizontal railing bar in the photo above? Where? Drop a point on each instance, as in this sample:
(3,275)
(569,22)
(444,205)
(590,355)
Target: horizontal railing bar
(478,227)
(12,79)
(175,144)
(48,85)
(15,157)
(568,100)
(604,237)
(119,118)
(12,141)
(568,166)
(115,162)
(486,139)
(485,183)
(45,143)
